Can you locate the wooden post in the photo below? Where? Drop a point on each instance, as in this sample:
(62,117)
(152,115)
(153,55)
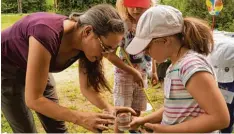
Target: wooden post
(20,10)
(55,4)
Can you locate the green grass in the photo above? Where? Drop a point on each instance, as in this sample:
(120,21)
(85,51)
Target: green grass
(9,19)
(69,93)
(4,125)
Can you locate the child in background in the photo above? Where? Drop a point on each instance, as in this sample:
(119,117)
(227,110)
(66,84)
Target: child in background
(222,59)
(128,91)
(162,69)
(192,99)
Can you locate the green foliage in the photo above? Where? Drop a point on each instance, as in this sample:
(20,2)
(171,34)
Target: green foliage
(197,8)
(50,2)
(67,6)
(34,5)
(50,6)
(64,6)
(11,6)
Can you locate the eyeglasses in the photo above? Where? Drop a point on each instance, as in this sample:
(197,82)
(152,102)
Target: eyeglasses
(105,48)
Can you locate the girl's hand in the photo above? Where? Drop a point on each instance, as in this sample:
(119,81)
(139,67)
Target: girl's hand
(138,78)
(154,79)
(136,123)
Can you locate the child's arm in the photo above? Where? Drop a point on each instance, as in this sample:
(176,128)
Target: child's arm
(114,59)
(154,69)
(155,117)
(203,88)
(154,79)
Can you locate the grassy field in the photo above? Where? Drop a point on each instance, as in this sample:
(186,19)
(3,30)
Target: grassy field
(68,89)
(9,19)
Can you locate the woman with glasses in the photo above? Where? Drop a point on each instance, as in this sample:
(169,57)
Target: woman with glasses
(42,43)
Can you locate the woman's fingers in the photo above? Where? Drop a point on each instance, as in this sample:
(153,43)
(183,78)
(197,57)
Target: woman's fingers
(101,127)
(105,121)
(106,116)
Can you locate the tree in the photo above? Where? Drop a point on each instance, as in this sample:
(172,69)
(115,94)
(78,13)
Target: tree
(197,8)
(56,4)
(20,10)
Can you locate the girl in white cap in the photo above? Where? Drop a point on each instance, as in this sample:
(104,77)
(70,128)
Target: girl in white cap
(128,80)
(192,99)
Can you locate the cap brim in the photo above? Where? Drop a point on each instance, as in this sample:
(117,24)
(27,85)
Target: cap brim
(137,45)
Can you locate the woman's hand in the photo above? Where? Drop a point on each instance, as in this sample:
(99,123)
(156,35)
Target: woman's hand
(95,122)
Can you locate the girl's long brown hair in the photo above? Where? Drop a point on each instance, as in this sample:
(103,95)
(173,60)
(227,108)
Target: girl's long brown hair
(197,35)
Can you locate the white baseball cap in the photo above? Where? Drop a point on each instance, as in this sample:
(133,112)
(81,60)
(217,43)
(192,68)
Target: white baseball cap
(158,21)
(222,58)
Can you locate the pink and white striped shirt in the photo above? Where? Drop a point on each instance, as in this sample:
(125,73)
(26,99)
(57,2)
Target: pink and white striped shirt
(179,104)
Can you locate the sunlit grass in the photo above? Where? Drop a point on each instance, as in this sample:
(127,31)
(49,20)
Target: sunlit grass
(9,19)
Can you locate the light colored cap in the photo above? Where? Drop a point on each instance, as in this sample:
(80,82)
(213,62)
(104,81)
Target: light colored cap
(158,21)
(222,58)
